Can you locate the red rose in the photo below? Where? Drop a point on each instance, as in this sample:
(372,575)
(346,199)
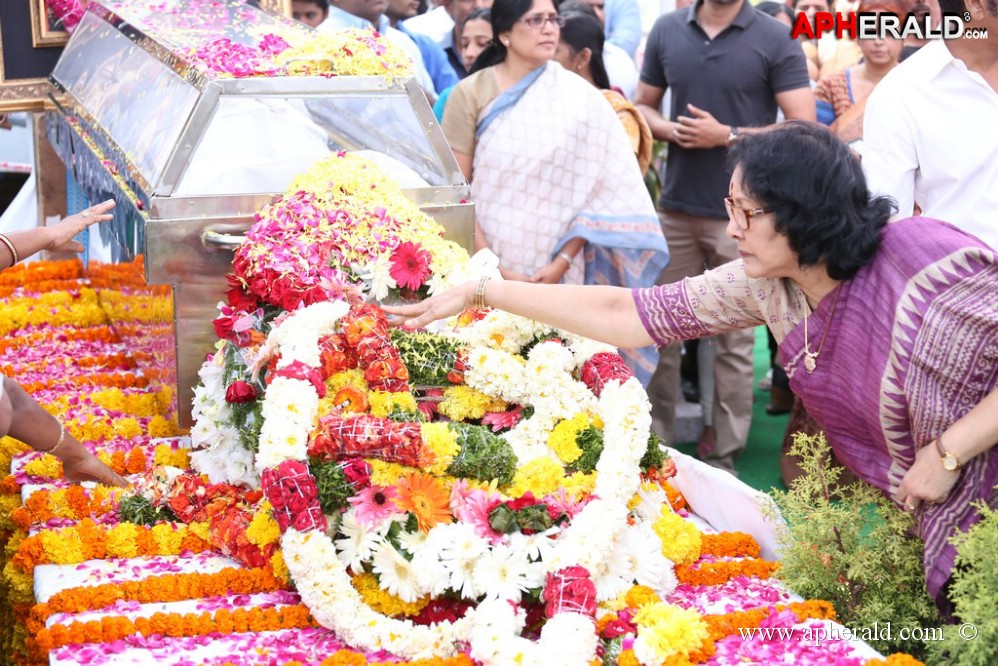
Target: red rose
(240,391)
(570,590)
(309,520)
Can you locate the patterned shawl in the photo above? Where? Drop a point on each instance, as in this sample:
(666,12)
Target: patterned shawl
(553,163)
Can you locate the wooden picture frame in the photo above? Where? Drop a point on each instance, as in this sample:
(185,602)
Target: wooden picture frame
(44,33)
(24,69)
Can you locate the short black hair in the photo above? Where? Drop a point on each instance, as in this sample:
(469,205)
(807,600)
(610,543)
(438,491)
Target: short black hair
(774,9)
(815,186)
(323,4)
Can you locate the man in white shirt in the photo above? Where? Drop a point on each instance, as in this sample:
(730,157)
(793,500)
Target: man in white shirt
(931,128)
(345,14)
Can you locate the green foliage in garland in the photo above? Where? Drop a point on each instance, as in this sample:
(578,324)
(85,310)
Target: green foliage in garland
(247,417)
(137,509)
(331,482)
(974,593)
(590,440)
(483,455)
(849,545)
(428,356)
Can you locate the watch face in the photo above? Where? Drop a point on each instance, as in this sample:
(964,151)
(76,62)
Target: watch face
(949,462)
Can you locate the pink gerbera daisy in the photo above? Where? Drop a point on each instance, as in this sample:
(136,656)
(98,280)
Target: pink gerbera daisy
(410,265)
(374,505)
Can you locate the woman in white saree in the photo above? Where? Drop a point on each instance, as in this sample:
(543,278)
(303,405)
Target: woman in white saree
(558,194)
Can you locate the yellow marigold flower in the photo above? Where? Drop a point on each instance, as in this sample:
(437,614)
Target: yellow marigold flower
(440,439)
(279,567)
(20,586)
(463,403)
(7,504)
(382,601)
(666,631)
(121,540)
(62,546)
(338,380)
(680,538)
(640,595)
(160,426)
(263,529)
(127,427)
(202,530)
(384,403)
(562,438)
(386,473)
(167,538)
(579,484)
(540,476)
(47,466)
(166,456)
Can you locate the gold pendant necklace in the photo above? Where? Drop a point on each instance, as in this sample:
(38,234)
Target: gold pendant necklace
(811,357)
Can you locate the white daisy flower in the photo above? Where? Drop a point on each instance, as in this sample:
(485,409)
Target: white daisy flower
(395,573)
(358,542)
(503,573)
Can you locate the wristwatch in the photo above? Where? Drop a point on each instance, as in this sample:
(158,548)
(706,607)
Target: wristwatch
(950,462)
(732,134)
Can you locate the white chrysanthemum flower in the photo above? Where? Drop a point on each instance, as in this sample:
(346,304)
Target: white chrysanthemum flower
(358,542)
(395,573)
(377,276)
(459,553)
(503,573)
(649,506)
(412,541)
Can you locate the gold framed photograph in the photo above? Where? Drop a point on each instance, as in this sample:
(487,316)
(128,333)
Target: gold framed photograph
(24,68)
(46,31)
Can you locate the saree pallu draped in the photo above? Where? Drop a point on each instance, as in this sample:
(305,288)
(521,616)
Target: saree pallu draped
(910,346)
(553,163)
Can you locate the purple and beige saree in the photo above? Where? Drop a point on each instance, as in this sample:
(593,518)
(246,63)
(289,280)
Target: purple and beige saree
(910,346)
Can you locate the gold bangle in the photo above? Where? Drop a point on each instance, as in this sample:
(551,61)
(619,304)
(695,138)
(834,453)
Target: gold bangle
(62,438)
(10,246)
(479,301)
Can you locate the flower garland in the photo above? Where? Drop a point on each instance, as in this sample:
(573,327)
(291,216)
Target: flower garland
(491,626)
(158,589)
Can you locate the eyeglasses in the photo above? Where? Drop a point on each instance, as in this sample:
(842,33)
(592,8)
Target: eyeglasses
(743,216)
(536,21)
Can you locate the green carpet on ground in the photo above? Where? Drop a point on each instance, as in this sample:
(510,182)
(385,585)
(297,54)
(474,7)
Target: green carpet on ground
(759,464)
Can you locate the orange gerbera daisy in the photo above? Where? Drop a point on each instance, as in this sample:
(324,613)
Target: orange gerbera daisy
(426,498)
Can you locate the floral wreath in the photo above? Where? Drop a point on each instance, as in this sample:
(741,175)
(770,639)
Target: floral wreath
(490,631)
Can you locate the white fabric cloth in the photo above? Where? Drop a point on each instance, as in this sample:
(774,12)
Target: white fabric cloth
(341,20)
(621,69)
(436,24)
(538,173)
(929,137)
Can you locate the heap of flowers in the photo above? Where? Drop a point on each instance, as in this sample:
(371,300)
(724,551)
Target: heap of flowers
(227,39)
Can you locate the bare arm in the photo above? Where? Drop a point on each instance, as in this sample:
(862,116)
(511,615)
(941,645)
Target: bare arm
(607,314)
(797,104)
(464,161)
(57,237)
(648,100)
(24,419)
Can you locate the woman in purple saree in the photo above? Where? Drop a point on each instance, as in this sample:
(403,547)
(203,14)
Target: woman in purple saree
(889,331)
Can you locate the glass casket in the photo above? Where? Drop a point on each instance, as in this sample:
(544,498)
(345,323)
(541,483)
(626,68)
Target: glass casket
(191,155)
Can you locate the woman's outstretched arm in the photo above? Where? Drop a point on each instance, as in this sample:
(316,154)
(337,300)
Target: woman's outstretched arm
(608,314)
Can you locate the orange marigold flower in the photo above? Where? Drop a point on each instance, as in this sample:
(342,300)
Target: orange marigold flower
(345,658)
(424,496)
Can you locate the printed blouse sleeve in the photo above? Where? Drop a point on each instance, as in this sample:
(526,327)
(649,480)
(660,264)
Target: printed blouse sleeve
(721,300)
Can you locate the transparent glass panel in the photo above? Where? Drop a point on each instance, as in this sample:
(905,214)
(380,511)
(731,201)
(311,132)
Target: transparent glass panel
(260,144)
(134,97)
(182,25)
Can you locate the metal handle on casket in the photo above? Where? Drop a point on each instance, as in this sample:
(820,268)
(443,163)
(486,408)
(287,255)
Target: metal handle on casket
(220,240)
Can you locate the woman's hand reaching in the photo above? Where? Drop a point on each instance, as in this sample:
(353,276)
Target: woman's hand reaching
(61,234)
(443,305)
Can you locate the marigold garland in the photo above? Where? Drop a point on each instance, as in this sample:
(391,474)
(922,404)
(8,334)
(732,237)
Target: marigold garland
(717,573)
(157,589)
(384,602)
(729,544)
(87,541)
(175,625)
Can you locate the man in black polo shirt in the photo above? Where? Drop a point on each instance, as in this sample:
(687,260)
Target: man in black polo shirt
(729,68)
